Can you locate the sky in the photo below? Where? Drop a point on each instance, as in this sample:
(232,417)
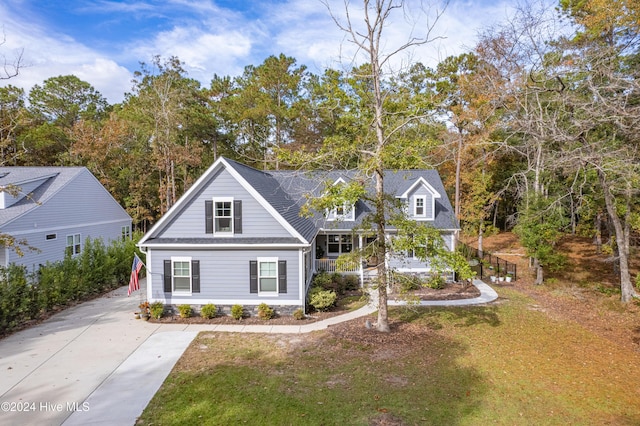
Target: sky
(104,41)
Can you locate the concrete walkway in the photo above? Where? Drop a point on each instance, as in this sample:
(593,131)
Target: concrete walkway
(95,364)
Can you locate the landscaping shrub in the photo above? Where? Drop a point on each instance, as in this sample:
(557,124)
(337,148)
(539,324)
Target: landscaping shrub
(298,314)
(98,269)
(185,311)
(209,311)
(321,299)
(157,310)
(436,282)
(351,283)
(265,312)
(406,283)
(336,282)
(237,312)
(322,279)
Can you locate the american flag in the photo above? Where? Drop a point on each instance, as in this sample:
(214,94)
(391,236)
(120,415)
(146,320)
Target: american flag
(134,284)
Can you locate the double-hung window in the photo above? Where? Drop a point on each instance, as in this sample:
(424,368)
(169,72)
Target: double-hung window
(419,207)
(181,273)
(267,275)
(73,245)
(223,216)
(126,233)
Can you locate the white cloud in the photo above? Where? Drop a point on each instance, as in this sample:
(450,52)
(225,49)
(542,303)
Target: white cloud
(203,53)
(107,77)
(47,54)
(211,40)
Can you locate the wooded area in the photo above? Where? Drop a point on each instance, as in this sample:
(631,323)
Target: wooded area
(536,129)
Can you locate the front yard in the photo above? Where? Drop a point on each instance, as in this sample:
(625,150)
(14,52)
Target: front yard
(507,363)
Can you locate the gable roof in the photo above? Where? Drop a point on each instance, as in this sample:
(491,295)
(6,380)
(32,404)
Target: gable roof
(398,182)
(283,193)
(263,187)
(42,183)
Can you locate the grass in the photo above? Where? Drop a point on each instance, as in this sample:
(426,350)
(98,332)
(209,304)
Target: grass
(505,364)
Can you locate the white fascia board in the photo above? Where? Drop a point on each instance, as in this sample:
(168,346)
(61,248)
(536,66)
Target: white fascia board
(183,199)
(423,182)
(264,203)
(225,246)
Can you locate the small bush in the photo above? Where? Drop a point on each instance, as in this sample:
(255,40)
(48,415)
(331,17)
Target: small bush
(237,312)
(298,314)
(265,312)
(436,282)
(157,310)
(351,283)
(322,279)
(408,283)
(208,311)
(185,311)
(321,299)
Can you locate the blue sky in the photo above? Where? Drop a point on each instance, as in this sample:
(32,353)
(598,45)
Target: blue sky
(103,41)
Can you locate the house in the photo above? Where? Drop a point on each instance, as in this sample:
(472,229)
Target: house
(237,235)
(54,210)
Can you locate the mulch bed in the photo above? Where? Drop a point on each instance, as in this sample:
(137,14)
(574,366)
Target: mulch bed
(452,291)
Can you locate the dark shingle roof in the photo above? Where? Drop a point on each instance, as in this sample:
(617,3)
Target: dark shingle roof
(281,200)
(300,184)
(54,178)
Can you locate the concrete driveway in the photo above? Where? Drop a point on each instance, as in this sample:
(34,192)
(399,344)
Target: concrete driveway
(49,372)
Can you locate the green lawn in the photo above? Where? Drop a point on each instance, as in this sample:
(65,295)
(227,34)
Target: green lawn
(505,364)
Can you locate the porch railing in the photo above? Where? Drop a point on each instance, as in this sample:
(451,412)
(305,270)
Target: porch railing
(331,265)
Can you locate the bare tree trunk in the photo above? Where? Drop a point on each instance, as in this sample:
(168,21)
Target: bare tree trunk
(458,171)
(598,236)
(626,287)
(539,272)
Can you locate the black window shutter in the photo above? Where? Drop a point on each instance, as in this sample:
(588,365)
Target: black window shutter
(282,276)
(208,216)
(253,276)
(237,216)
(167,276)
(195,276)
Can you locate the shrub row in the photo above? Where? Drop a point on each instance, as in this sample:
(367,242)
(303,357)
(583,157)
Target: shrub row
(29,296)
(336,282)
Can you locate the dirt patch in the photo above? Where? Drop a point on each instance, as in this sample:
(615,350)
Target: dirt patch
(586,291)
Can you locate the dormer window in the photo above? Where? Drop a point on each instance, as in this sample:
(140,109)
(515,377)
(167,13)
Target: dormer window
(342,212)
(419,203)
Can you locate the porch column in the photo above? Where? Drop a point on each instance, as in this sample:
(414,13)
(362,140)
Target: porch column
(361,261)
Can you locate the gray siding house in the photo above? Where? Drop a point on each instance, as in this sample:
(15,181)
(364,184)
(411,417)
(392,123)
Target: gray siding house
(237,235)
(54,210)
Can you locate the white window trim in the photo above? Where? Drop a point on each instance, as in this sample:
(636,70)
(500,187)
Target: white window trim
(222,200)
(173,287)
(268,293)
(348,216)
(339,243)
(73,247)
(126,233)
(424,206)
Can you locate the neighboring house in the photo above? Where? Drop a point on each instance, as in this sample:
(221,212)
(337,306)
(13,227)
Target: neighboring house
(55,210)
(237,236)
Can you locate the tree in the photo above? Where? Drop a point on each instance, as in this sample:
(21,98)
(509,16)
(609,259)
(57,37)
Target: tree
(13,119)
(381,147)
(159,111)
(55,108)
